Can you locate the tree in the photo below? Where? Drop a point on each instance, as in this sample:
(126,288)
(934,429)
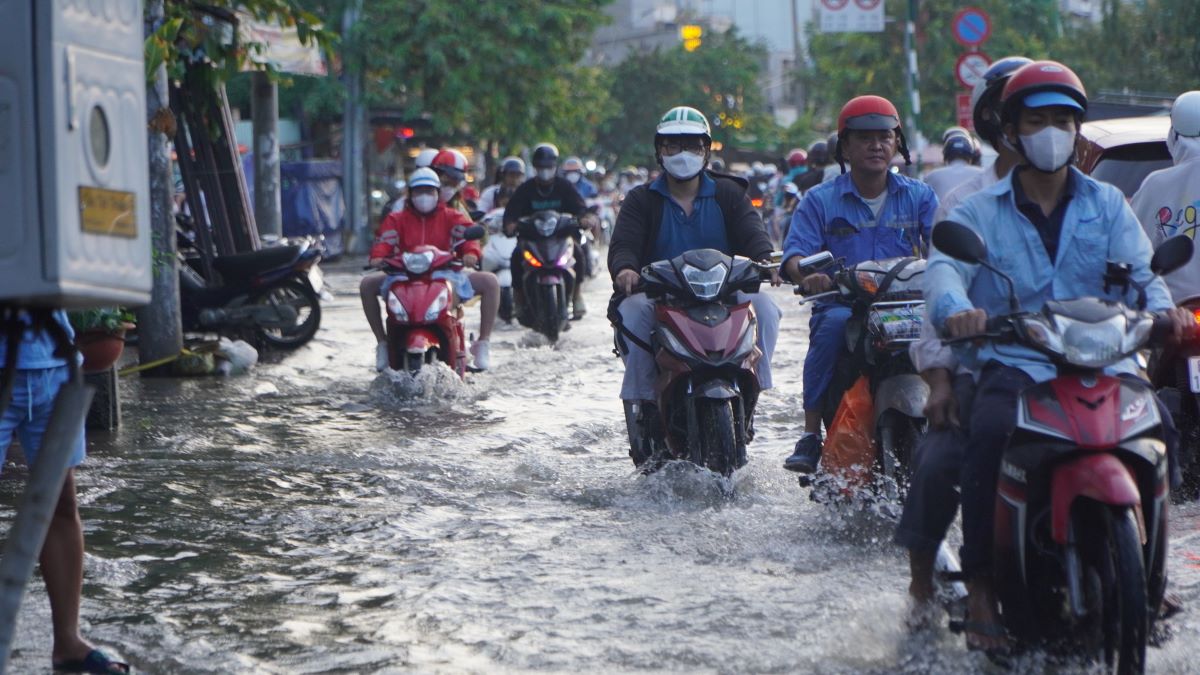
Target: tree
(720,78)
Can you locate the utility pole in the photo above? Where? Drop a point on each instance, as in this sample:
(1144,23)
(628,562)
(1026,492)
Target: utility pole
(914,81)
(264,107)
(160,333)
(353,136)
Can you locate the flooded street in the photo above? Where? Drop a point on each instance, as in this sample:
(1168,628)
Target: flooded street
(317,517)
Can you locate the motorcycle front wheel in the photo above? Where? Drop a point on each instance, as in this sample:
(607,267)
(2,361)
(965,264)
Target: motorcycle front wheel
(718,438)
(1124,609)
(299,295)
(551,319)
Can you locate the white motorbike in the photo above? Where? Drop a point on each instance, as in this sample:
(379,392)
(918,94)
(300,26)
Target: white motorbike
(497,259)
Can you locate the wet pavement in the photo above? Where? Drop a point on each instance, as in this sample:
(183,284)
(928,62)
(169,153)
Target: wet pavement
(315,517)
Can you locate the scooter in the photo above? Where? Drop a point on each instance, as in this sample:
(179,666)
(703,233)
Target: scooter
(1175,373)
(497,258)
(546,244)
(886,304)
(424,323)
(273,294)
(704,345)
(1082,498)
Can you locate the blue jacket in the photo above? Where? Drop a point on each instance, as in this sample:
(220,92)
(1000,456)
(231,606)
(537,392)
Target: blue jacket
(833,217)
(1098,226)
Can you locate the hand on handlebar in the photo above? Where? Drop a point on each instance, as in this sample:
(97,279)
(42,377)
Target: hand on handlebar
(816,283)
(627,281)
(375,263)
(967,324)
(470,260)
(1183,324)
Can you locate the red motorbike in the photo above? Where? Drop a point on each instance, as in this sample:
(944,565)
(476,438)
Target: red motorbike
(424,323)
(705,348)
(1081,505)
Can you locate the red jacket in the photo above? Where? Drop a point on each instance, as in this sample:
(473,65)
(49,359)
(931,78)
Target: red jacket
(405,230)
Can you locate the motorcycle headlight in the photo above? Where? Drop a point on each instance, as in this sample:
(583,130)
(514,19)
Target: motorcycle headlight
(565,257)
(705,284)
(439,303)
(418,263)
(745,343)
(396,307)
(1042,333)
(675,345)
(1092,345)
(1137,335)
(547,226)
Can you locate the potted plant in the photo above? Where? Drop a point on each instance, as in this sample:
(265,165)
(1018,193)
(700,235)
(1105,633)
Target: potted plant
(100,335)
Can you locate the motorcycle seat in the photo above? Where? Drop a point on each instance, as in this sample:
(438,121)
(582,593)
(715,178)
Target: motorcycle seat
(240,266)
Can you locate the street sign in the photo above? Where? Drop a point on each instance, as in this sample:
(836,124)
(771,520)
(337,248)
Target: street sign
(971,26)
(962,105)
(970,68)
(844,16)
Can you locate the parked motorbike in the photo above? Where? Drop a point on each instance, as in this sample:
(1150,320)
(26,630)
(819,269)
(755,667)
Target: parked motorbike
(705,347)
(497,258)
(1081,503)
(1175,373)
(271,295)
(886,308)
(424,322)
(546,242)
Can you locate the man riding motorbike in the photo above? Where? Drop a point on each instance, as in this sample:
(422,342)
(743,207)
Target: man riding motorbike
(869,213)
(572,170)
(818,160)
(451,168)
(427,219)
(511,175)
(685,208)
(1053,230)
(959,153)
(547,191)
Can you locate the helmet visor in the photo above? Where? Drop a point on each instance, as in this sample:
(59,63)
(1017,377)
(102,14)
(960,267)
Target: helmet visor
(872,122)
(1045,99)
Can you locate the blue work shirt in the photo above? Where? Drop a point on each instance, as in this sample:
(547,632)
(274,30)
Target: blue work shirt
(585,188)
(704,228)
(834,217)
(37,348)
(1097,227)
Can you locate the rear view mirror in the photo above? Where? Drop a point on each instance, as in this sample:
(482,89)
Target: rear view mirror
(474,232)
(814,262)
(959,242)
(1172,254)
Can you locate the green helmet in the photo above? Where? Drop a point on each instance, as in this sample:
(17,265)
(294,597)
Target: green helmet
(683,121)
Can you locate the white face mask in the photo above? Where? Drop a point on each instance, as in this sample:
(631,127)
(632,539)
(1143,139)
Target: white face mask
(573,176)
(683,165)
(447,193)
(1049,149)
(425,203)
(546,175)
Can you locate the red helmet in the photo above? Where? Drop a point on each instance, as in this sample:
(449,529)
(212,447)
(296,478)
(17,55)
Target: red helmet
(870,113)
(1041,84)
(451,162)
(797,157)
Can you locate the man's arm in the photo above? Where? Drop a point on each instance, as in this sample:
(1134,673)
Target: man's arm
(517,207)
(947,280)
(752,240)
(926,210)
(805,236)
(628,243)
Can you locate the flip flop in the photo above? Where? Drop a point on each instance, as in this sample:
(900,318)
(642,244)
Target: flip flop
(96,661)
(987,629)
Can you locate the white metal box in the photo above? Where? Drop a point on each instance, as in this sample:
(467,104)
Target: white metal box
(74,183)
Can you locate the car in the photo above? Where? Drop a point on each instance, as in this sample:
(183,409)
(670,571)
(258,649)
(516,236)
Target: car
(1124,151)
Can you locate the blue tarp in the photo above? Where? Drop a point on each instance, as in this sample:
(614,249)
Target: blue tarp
(311,199)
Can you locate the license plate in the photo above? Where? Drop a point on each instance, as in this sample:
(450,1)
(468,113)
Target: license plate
(1194,373)
(316,278)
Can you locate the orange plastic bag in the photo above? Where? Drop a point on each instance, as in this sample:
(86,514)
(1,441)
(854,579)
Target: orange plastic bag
(849,451)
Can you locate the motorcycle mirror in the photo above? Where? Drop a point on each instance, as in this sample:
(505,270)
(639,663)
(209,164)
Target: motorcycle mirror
(959,242)
(816,261)
(477,215)
(474,232)
(1172,254)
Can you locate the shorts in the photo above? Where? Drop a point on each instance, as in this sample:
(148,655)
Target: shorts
(29,412)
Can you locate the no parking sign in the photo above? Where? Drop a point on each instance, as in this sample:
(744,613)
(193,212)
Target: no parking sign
(971,26)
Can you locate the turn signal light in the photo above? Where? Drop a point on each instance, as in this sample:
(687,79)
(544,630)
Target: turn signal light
(756,203)
(532,259)
(1196,315)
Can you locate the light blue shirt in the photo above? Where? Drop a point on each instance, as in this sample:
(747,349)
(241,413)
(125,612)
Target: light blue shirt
(834,217)
(1098,227)
(37,348)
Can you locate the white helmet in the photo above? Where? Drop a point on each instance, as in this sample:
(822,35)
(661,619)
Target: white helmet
(424,177)
(425,157)
(1185,114)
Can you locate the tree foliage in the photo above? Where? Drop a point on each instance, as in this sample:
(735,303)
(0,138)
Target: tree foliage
(720,78)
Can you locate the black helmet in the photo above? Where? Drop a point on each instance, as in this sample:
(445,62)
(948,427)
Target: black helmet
(544,155)
(958,146)
(985,99)
(818,154)
(512,165)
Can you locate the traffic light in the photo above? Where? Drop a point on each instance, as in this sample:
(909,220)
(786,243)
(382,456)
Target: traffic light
(691,34)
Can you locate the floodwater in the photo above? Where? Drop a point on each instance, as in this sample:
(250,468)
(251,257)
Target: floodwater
(315,517)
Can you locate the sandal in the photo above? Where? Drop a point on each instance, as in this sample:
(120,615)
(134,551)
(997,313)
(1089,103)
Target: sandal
(96,661)
(989,629)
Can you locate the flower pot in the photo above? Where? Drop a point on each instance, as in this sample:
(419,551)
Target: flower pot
(100,348)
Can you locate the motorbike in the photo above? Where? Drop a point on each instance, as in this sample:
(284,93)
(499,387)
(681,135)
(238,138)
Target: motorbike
(704,345)
(271,295)
(424,323)
(497,258)
(1175,373)
(1081,503)
(546,244)
(886,310)
(605,210)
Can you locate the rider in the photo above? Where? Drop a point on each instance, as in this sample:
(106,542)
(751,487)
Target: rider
(423,159)
(1163,201)
(512,174)
(685,208)
(932,499)
(427,219)
(818,159)
(451,168)
(1052,230)
(959,151)
(869,213)
(547,191)
(572,170)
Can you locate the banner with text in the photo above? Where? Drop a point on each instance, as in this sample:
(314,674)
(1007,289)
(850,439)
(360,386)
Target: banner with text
(850,16)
